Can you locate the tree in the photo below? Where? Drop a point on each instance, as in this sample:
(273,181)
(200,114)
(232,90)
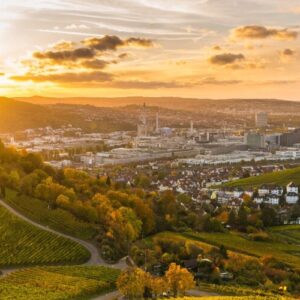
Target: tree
(242,217)
(223,251)
(158,286)
(108,181)
(232,218)
(125,228)
(179,279)
(268,215)
(132,283)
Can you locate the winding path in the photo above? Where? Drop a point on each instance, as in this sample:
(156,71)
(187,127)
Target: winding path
(95,258)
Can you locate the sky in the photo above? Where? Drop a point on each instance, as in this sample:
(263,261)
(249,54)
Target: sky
(186,48)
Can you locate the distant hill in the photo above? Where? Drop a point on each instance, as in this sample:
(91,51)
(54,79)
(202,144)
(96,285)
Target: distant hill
(176,103)
(17,115)
(277,178)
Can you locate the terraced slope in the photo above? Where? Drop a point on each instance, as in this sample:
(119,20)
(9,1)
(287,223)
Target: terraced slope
(58,283)
(22,244)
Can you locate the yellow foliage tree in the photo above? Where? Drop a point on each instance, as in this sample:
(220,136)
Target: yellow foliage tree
(132,282)
(179,279)
(157,285)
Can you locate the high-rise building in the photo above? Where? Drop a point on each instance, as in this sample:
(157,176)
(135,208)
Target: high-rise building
(255,140)
(142,129)
(261,119)
(290,138)
(157,123)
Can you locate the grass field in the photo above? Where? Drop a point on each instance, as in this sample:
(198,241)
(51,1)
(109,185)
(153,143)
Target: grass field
(23,244)
(277,178)
(288,233)
(287,253)
(58,283)
(57,219)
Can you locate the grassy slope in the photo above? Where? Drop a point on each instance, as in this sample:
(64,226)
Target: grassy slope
(288,233)
(239,245)
(57,219)
(53,283)
(288,253)
(279,178)
(206,246)
(23,244)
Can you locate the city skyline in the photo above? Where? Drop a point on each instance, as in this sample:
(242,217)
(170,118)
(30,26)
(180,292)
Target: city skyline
(202,49)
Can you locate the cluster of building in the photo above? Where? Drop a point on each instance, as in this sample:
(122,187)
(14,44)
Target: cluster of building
(270,195)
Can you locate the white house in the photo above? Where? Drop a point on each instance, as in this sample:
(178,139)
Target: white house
(277,191)
(259,200)
(292,188)
(291,198)
(272,200)
(263,190)
(238,193)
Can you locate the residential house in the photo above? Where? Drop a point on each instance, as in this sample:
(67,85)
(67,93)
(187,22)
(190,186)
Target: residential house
(263,190)
(272,199)
(259,199)
(291,198)
(292,188)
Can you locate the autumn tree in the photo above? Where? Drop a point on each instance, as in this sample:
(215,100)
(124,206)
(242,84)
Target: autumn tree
(158,286)
(179,279)
(132,283)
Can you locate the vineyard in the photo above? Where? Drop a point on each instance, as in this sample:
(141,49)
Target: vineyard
(233,290)
(58,219)
(52,283)
(23,244)
(239,298)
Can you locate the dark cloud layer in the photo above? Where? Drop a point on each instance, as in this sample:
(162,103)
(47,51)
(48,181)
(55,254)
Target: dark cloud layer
(95,64)
(112,43)
(226,58)
(261,32)
(68,77)
(66,55)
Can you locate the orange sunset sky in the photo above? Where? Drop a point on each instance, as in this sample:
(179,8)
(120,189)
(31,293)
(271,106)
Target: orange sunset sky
(186,48)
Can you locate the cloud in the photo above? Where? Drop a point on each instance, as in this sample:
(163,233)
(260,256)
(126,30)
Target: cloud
(75,27)
(261,32)
(137,84)
(138,42)
(68,77)
(66,55)
(112,43)
(95,64)
(64,45)
(286,55)
(216,48)
(226,58)
(287,52)
(214,81)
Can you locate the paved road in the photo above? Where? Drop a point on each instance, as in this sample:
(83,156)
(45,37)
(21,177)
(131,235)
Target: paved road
(95,259)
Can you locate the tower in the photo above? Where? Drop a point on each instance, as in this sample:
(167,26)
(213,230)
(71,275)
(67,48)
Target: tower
(157,123)
(143,127)
(192,127)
